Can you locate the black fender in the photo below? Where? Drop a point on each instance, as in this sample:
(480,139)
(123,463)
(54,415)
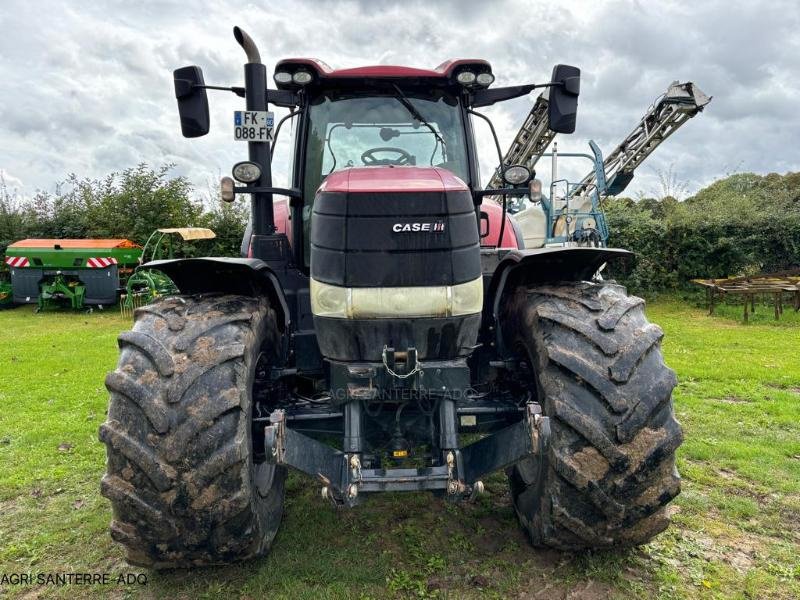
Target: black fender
(539,266)
(244,276)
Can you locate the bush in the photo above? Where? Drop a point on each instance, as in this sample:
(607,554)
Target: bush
(741,225)
(130,204)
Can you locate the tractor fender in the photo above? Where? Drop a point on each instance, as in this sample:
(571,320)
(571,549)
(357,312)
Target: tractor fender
(537,266)
(243,276)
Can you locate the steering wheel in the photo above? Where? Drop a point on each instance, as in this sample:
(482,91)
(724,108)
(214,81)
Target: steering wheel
(403,157)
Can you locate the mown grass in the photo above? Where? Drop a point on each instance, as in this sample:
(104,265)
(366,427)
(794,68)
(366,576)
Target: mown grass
(736,532)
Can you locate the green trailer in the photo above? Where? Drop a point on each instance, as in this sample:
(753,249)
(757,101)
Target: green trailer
(75,272)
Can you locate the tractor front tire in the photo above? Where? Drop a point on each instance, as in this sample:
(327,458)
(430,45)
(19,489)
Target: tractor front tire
(184,482)
(595,366)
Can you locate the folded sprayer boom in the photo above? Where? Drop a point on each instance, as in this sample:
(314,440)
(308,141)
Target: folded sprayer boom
(667,114)
(681,102)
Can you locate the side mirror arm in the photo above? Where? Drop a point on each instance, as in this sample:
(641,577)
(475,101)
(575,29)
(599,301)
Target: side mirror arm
(283,98)
(488,97)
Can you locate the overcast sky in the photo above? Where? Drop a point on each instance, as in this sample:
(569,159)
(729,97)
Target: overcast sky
(87,87)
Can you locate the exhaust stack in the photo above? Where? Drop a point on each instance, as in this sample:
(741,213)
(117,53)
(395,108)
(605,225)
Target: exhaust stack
(255,86)
(247,44)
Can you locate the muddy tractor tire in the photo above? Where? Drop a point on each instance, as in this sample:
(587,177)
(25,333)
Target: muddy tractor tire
(186,487)
(596,368)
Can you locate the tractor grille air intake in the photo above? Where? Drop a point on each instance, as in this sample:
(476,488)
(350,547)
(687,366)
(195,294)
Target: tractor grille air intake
(379,239)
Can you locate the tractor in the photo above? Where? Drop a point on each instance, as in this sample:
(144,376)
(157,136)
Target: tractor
(383,308)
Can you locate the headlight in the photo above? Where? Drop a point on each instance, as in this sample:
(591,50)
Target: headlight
(282,77)
(328,300)
(302,77)
(246,172)
(399,302)
(485,79)
(467,298)
(516,175)
(466,78)
(396,302)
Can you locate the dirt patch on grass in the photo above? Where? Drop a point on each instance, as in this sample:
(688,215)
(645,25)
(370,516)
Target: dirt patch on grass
(734,400)
(793,389)
(585,590)
(740,553)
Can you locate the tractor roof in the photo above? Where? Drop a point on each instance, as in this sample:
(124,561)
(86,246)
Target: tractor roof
(444,73)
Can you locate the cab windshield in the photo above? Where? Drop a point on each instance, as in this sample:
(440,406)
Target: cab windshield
(399,128)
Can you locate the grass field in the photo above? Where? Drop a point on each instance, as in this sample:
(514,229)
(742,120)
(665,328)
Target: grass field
(736,532)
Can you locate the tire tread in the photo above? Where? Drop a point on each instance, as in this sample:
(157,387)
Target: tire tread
(182,496)
(610,468)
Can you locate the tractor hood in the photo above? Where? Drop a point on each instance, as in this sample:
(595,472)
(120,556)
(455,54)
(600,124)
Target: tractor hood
(395,260)
(393,179)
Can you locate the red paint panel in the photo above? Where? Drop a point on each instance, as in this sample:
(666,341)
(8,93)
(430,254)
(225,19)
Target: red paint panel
(385,71)
(393,179)
(319,66)
(446,68)
(495,213)
(443,71)
(280,212)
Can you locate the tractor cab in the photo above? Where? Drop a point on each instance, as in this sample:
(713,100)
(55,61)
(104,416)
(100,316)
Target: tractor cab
(378,118)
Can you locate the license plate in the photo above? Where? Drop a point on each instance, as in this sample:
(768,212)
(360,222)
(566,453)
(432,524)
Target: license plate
(253,125)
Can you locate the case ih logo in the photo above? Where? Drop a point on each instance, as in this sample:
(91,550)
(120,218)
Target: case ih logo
(435,227)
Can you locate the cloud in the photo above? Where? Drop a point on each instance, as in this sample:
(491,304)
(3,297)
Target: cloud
(88,89)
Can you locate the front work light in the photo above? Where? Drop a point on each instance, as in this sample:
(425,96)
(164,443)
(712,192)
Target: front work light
(302,77)
(466,78)
(516,175)
(246,172)
(485,79)
(282,77)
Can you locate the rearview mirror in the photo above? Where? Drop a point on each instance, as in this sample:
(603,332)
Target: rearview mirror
(563,100)
(192,101)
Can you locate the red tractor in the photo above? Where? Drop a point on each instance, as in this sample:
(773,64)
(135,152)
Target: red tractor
(382,308)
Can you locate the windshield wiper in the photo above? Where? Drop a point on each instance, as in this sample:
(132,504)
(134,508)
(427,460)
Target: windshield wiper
(401,97)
